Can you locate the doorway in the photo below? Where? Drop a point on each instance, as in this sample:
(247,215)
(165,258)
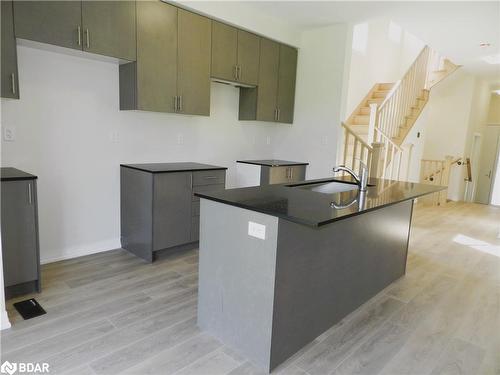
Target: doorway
(475,154)
(486,189)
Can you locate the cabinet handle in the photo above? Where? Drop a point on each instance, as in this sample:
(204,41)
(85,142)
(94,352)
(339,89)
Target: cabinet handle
(13,83)
(191,181)
(30,196)
(79,31)
(291,173)
(180,103)
(278,114)
(87,33)
(235,72)
(238,70)
(175,103)
(275,114)
(210,177)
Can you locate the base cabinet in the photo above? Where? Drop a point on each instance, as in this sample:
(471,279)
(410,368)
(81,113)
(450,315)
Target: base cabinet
(159,210)
(20,249)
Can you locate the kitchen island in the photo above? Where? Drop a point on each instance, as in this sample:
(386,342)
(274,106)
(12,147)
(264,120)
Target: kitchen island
(281,264)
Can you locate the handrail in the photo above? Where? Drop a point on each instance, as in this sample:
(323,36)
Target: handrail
(353,133)
(407,73)
(389,140)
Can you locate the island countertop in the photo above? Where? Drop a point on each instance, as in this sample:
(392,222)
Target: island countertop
(313,208)
(172,167)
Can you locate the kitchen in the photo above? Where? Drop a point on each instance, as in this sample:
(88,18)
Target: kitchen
(210,95)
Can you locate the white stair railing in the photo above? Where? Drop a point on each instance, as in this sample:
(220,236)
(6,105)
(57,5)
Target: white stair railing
(404,96)
(355,150)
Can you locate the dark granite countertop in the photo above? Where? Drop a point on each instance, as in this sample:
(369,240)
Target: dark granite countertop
(272,162)
(172,167)
(312,208)
(13,174)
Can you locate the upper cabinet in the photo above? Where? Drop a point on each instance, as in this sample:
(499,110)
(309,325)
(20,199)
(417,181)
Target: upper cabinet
(108,28)
(273,99)
(102,27)
(52,22)
(235,54)
(8,78)
(286,84)
(168,55)
(150,83)
(172,71)
(193,65)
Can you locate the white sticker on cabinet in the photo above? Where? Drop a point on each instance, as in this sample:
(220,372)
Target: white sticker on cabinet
(257,230)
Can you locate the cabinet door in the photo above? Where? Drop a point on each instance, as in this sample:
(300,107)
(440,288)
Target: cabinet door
(224,48)
(171,210)
(156,56)
(268,80)
(193,79)
(9,80)
(248,57)
(19,235)
(53,22)
(286,83)
(109,28)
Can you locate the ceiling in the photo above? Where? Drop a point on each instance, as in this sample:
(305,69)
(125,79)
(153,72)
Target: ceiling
(454,28)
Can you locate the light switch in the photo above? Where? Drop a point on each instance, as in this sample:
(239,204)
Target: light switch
(9,134)
(180,139)
(257,230)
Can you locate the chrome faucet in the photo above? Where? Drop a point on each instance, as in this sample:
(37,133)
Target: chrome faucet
(361,180)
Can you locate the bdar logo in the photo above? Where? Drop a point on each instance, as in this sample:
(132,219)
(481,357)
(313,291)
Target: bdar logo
(8,368)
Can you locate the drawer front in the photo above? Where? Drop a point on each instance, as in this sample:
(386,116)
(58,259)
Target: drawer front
(209,177)
(195,228)
(206,188)
(195,208)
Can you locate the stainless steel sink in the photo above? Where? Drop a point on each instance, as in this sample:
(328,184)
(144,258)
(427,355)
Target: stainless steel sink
(328,187)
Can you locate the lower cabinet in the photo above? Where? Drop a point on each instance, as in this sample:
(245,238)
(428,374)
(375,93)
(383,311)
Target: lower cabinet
(20,251)
(159,210)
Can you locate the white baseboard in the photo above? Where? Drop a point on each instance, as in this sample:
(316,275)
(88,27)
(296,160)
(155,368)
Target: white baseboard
(4,320)
(80,251)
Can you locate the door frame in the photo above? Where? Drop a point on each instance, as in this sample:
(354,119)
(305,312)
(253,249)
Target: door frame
(475,155)
(494,172)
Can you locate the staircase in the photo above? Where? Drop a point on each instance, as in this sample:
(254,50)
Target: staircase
(377,128)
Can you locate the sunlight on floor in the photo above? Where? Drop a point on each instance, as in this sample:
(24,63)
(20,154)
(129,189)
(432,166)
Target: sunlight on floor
(476,244)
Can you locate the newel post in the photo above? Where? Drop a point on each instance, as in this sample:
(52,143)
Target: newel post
(376,164)
(372,123)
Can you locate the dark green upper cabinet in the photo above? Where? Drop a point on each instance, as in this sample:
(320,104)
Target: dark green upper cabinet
(102,27)
(108,28)
(286,84)
(9,78)
(52,22)
(193,64)
(224,51)
(150,84)
(248,57)
(235,54)
(273,99)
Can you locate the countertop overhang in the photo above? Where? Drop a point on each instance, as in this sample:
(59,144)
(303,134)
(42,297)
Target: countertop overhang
(316,209)
(14,174)
(172,167)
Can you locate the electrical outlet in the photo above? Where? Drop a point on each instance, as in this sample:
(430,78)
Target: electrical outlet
(114,137)
(268,140)
(9,134)
(180,139)
(257,230)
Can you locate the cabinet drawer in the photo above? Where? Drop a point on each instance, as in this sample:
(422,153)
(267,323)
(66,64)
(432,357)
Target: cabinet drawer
(209,177)
(206,188)
(195,208)
(195,228)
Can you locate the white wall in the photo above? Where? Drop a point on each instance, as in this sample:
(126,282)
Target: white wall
(70,132)
(384,60)
(457,108)
(319,100)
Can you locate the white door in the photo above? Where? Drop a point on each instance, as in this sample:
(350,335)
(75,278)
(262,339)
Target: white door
(489,154)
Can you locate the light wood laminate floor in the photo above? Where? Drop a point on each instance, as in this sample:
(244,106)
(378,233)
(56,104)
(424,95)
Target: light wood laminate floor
(110,313)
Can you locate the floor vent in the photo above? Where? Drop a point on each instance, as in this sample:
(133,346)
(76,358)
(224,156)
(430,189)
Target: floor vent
(29,308)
